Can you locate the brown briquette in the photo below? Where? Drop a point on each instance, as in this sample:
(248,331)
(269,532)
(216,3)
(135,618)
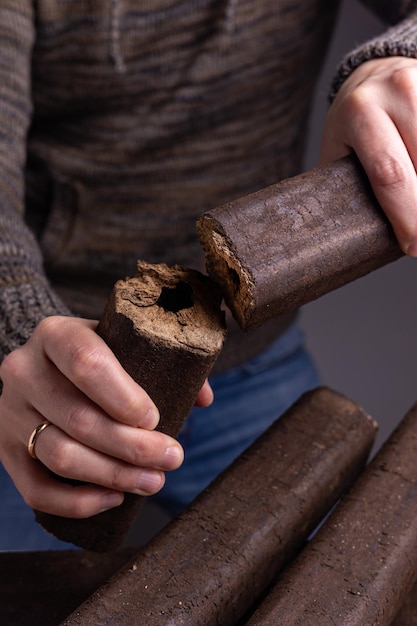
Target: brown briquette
(167,328)
(360,567)
(407,615)
(283,246)
(210,564)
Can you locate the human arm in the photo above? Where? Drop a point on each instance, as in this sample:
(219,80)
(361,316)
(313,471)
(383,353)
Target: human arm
(373,113)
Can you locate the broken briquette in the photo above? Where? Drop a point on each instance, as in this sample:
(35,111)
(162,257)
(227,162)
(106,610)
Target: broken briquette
(167,328)
(283,246)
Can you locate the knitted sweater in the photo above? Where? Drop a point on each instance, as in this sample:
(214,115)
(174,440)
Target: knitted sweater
(120,122)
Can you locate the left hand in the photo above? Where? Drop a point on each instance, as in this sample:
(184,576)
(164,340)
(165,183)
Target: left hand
(375,115)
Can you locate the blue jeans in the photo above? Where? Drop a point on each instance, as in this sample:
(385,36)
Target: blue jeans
(248,399)
(18,527)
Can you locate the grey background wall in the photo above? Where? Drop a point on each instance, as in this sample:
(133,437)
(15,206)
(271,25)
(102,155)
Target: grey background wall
(364,335)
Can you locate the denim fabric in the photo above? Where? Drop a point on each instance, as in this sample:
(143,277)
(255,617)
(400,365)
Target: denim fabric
(248,399)
(18,527)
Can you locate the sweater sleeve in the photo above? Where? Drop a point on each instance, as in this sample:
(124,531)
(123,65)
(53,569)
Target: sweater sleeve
(399,40)
(25,294)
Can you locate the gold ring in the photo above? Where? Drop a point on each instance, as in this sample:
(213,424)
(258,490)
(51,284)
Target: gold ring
(34,436)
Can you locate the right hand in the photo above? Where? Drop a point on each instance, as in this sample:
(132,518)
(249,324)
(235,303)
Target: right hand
(102,423)
(374,115)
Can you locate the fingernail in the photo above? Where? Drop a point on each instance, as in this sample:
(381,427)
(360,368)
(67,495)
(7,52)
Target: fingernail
(112,499)
(151,419)
(175,456)
(150,482)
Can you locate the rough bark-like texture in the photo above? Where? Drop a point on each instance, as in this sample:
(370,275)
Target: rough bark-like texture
(407,615)
(212,562)
(361,565)
(42,588)
(166,328)
(290,243)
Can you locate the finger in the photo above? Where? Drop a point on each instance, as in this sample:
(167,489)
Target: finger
(375,114)
(68,408)
(205,396)
(70,459)
(85,359)
(390,169)
(42,492)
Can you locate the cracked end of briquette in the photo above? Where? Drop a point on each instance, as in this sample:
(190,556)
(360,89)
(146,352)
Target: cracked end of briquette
(224,267)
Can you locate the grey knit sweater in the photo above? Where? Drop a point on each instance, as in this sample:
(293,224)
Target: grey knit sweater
(121,121)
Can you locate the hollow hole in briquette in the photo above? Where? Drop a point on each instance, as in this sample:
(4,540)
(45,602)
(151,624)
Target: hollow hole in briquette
(175,299)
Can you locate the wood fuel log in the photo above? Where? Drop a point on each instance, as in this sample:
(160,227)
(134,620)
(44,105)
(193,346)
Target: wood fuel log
(283,246)
(166,328)
(210,564)
(360,567)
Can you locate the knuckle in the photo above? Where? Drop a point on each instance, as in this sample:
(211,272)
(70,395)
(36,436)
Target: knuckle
(46,324)
(61,459)
(388,171)
(142,448)
(8,366)
(85,362)
(404,80)
(81,423)
(130,409)
(149,449)
(47,327)
(12,366)
(117,477)
(139,455)
(359,102)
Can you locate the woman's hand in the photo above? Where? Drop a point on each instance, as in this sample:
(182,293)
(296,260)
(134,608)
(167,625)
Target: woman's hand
(102,423)
(375,115)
